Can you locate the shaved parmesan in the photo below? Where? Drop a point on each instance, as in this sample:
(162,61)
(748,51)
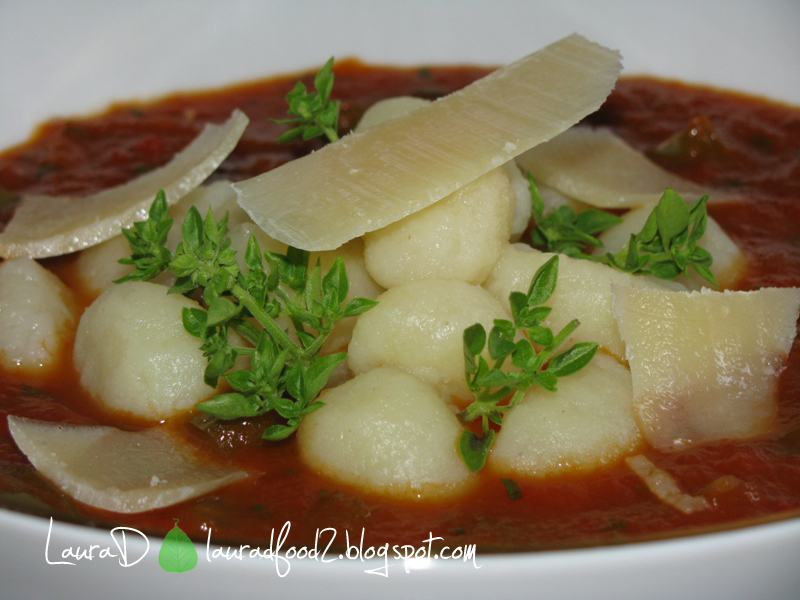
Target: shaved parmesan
(120,471)
(596,167)
(399,105)
(371,179)
(664,486)
(705,364)
(50,226)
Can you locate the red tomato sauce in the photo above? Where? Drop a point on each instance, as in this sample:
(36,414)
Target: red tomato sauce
(720,139)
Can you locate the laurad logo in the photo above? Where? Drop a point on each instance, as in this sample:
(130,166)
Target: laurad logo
(177,553)
(119,535)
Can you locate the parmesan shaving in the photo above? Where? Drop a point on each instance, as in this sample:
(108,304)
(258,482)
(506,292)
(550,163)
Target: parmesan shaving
(120,471)
(371,179)
(597,167)
(705,364)
(664,486)
(46,226)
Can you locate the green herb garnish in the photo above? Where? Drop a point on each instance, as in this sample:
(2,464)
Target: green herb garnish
(493,385)
(512,489)
(563,230)
(314,114)
(666,247)
(286,373)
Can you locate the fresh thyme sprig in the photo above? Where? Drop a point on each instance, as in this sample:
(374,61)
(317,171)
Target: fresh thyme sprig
(665,248)
(564,231)
(313,113)
(492,385)
(285,374)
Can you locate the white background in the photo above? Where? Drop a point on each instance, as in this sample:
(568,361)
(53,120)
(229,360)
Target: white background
(67,57)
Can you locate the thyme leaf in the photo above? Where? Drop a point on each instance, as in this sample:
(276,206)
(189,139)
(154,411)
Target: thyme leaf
(533,353)
(286,373)
(313,114)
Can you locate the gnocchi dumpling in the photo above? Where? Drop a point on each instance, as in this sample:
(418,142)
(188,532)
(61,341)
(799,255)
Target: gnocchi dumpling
(97,267)
(388,108)
(134,355)
(240,234)
(458,237)
(587,423)
(37,316)
(352,253)
(217,197)
(418,327)
(386,431)
(361,285)
(583,292)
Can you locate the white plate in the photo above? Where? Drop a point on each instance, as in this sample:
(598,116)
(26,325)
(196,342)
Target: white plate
(60,58)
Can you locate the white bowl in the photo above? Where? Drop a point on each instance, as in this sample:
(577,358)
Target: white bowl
(751,563)
(61,58)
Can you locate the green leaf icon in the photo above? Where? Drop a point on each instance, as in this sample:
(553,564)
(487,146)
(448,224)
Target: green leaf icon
(177,553)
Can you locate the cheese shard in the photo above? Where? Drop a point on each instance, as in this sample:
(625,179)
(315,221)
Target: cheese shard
(705,364)
(46,226)
(664,486)
(120,471)
(598,168)
(399,105)
(368,180)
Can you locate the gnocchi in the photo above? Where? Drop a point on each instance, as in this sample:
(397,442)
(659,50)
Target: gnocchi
(729,262)
(134,356)
(587,423)
(37,316)
(386,431)
(418,327)
(458,237)
(583,292)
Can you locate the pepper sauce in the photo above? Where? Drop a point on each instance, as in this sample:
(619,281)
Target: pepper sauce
(720,139)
